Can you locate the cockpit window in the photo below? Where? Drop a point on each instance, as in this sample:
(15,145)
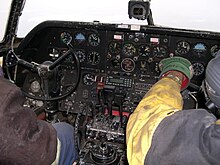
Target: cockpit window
(4,15)
(187,14)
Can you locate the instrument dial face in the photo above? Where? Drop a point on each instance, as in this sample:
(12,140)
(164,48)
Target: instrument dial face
(88,79)
(81,55)
(159,51)
(79,38)
(144,50)
(214,50)
(200,49)
(127,65)
(198,68)
(94,39)
(66,37)
(182,47)
(129,49)
(94,58)
(114,47)
(35,86)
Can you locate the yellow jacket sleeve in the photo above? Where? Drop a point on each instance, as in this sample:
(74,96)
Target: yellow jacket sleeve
(162,100)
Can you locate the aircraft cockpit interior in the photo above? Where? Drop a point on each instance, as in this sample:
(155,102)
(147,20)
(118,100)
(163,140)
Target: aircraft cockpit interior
(93,74)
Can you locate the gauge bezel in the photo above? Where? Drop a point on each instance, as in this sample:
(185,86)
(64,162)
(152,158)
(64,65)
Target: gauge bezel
(79,41)
(66,37)
(200,71)
(114,49)
(81,53)
(33,86)
(93,58)
(183,47)
(144,50)
(90,77)
(129,49)
(162,49)
(94,39)
(197,51)
(214,50)
(132,65)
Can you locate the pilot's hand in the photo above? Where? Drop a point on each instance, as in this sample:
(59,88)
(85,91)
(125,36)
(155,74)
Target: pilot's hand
(178,68)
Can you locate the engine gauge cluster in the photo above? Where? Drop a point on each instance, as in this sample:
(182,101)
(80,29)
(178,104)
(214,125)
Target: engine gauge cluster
(123,53)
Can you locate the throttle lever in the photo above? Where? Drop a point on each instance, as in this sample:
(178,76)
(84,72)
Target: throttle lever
(118,100)
(109,97)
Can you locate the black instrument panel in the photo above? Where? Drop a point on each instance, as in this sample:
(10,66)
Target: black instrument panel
(120,57)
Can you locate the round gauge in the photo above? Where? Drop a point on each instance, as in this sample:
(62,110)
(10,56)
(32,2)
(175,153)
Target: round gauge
(88,79)
(199,49)
(159,51)
(114,47)
(81,55)
(79,38)
(66,37)
(35,86)
(129,49)
(144,50)
(182,47)
(127,65)
(198,68)
(94,39)
(214,49)
(94,58)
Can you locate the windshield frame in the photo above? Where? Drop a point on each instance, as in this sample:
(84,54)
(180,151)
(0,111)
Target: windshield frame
(182,15)
(5,8)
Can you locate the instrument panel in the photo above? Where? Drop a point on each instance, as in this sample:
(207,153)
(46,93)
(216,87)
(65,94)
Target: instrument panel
(119,57)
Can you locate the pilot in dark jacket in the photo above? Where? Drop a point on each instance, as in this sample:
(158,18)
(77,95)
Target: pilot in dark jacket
(159,132)
(25,140)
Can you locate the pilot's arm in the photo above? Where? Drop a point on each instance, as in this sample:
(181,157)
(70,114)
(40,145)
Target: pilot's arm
(159,132)
(25,140)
